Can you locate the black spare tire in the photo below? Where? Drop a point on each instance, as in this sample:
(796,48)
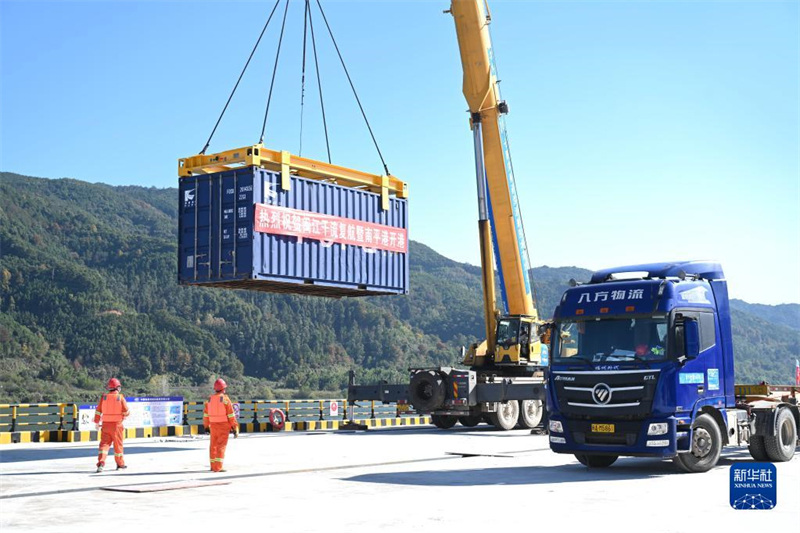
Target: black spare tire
(426,391)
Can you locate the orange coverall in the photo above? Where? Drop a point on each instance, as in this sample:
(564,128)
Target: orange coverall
(219,416)
(113,408)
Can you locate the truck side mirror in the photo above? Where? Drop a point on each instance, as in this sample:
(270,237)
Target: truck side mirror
(691,338)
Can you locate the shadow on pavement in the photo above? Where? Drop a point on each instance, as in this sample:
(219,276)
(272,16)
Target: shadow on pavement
(480,431)
(742,455)
(49,454)
(530,475)
(626,468)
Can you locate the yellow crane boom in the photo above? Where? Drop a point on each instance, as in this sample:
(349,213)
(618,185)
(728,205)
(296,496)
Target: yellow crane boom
(486,109)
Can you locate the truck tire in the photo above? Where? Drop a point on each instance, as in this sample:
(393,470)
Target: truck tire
(426,391)
(470,421)
(530,413)
(506,416)
(706,446)
(780,447)
(596,461)
(443,422)
(758,449)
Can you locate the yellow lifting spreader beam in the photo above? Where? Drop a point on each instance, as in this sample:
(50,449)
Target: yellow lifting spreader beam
(288,164)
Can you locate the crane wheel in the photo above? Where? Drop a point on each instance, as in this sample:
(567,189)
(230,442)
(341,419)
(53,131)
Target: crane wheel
(506,416)
(530,413)
(470,421)
(443,421)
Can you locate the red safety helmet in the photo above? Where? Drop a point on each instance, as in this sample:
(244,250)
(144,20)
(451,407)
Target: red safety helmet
(220,385)
(113,383)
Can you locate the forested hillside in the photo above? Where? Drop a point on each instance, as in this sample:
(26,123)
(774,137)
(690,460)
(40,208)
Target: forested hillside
(88,289)
(784,314)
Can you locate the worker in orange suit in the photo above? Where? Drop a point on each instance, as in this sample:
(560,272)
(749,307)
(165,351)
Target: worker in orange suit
(218,416)
(112,409)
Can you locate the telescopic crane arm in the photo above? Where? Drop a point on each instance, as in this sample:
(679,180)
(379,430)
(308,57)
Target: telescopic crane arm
(498,205)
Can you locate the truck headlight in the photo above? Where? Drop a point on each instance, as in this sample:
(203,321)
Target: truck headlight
(556,426)
(658,428)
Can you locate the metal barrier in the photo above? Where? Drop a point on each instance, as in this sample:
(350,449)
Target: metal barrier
(64,416)
(44,416)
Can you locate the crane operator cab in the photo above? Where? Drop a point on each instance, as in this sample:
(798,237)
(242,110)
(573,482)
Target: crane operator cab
(519,341)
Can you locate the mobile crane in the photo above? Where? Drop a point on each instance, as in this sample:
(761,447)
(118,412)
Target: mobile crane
(504,382)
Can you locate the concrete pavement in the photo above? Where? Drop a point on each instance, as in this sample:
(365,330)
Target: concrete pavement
(379,480)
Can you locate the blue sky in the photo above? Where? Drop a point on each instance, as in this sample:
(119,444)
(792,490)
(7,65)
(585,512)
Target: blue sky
(640,131)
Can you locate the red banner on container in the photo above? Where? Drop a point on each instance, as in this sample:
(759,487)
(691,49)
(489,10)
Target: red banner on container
(329,229)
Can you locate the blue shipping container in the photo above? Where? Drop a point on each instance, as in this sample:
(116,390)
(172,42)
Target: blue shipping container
(223,244)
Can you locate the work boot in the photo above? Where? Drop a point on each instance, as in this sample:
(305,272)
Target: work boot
(99,468)
(123,467)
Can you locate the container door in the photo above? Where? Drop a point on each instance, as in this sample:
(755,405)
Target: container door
(204,210)
(187,202)
(194,229)
(242,230)
(224,252)
(231,224)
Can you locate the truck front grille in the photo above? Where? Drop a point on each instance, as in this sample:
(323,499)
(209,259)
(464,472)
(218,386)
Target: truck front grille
(605,394)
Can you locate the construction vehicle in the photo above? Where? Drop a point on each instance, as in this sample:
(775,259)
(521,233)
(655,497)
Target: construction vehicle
(505,375)
(642,365)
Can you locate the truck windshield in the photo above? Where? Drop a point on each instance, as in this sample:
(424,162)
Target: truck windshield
(613,339)
(507,331)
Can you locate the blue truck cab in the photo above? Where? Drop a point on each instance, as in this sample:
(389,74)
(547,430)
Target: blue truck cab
(642,365)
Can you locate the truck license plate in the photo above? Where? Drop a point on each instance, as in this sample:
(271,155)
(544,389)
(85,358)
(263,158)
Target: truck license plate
(602,428)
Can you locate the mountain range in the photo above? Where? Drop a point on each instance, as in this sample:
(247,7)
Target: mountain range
(88,290)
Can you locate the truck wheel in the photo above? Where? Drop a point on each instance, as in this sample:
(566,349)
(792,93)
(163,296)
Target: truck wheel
(443,422)
(530,413)
(596,461)
(470,421)
(426,391)
(506,416)
(780,447)
(706,446)
(758,449)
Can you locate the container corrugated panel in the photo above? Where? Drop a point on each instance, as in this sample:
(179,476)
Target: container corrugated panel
(223,244)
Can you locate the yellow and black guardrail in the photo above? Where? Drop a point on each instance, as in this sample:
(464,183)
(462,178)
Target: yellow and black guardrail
(58,422)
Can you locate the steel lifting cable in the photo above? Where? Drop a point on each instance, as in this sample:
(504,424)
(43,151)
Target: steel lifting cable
(303,76)
(264,29)
(319,81)
(274,70)
(521,221)
(363,114)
